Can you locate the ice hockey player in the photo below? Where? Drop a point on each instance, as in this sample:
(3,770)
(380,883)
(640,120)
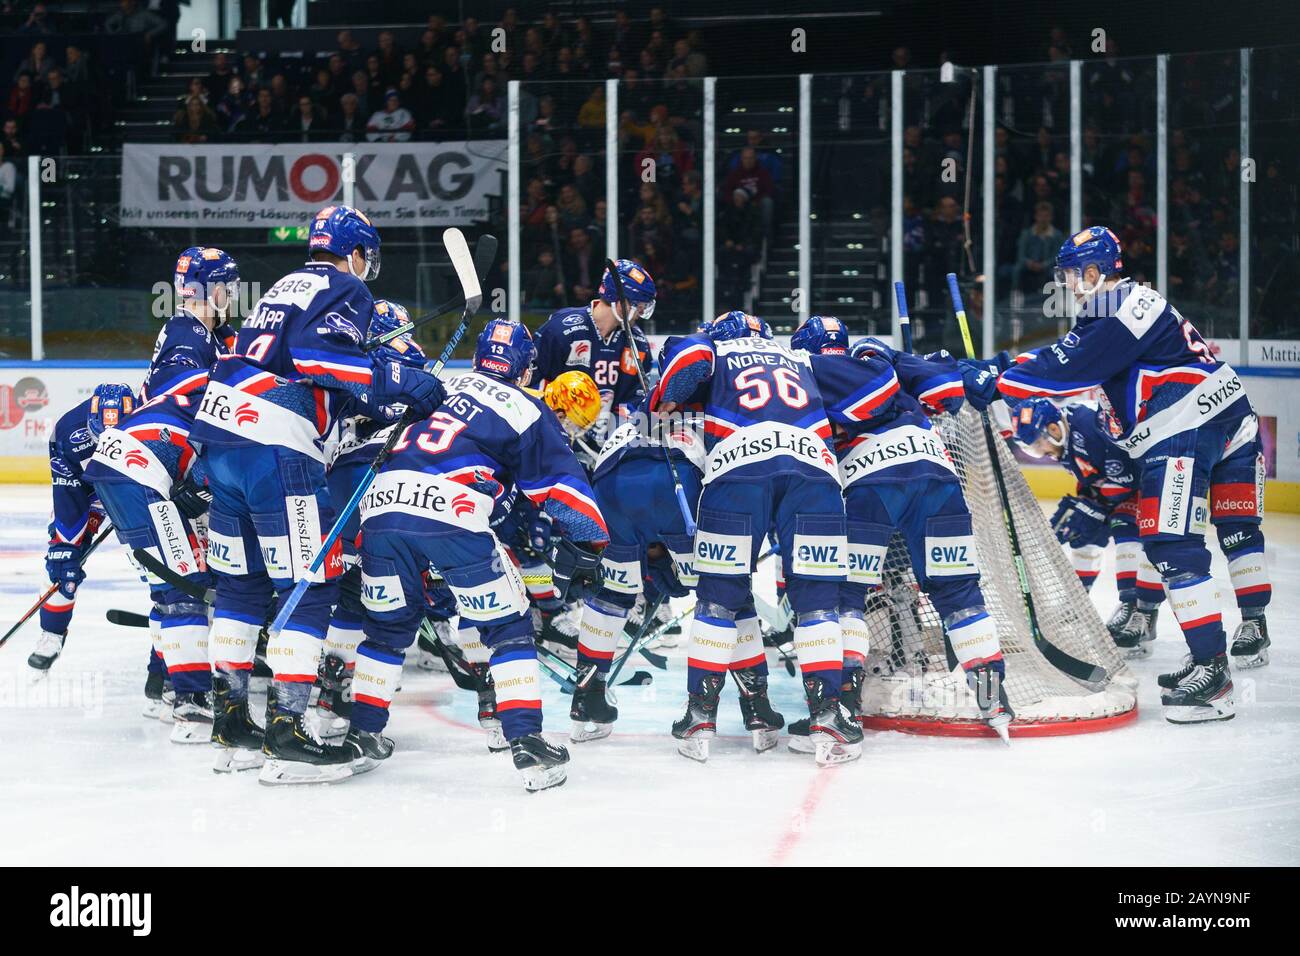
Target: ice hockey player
(149,480)
(298,362)
(590,338)
(1185,417)
(77,513)
(431,506)
(767,467)
(651,555)
(1104,506)
(898,476)
(363,428)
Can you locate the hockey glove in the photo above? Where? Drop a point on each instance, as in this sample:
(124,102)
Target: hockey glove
(63,565)
(980,378)
(1077,520)
(419,390)
(190,499)
(573,563)
(539,532)
(663,576)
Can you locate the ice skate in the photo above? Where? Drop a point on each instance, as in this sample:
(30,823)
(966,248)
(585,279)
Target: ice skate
(541,764)
(235,734)
(48,648)
(367,749)
(293,755)
(991,699)
(761,720)
(559,632)
(333,712)
(836,738)
(156,687)
(1250,644)
(592,714)
(1203,694)
(192,719)
(1135,634)
(699,724)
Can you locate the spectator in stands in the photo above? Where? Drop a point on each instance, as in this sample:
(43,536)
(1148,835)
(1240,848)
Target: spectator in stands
(349,125)
(740,228)
(389,58)
(38,21)
(586,179)
(340,78)
(584,266)
(308,123)
(752,177)
(688,213)
(195,123)
(37,64)
(393,124)
(235,104)
(1036,251)
(196,88)
(646,227)
(485,113)
(361,90)
(543,284)
(8,185)
(350,50)
(13,145)
(282,99)
(132,18)
(1189,270)
(264,124)
(76,71)
(943,248)
(22,97)
(598,229)
(279,13)
(254,77)
(322,92)
(667,158)
(453,77)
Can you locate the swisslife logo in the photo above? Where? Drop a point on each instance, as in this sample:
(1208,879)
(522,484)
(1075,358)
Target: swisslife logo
(462,505)
(135,459)
(1175,494)
(246,414)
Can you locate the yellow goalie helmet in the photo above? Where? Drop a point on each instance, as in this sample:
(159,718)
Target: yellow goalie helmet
(574,398)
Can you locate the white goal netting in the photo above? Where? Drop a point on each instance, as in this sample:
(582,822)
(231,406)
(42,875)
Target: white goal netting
(911,686)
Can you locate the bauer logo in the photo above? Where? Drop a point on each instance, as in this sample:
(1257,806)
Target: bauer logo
(76,909)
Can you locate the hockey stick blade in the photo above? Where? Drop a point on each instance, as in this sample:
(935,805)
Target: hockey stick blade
(126,618)
(160,570)
(657,661)
(639,679)
(485,253)
(463,262)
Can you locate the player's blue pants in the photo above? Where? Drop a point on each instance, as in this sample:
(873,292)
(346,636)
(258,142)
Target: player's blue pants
(807,514)
(270,513)
(489,595)
(935,523)
(144,519)
(640,508)
(1214,472)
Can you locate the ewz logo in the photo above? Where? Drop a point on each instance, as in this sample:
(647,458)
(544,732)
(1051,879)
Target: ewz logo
(480,602)
(819,553)
(949,554)
(863,562)
(715,551)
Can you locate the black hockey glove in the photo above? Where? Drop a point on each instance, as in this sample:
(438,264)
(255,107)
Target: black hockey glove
(572,563)
(190,499)
(1078,521)
(663,575)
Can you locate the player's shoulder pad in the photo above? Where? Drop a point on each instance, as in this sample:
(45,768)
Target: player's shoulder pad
(1137,307)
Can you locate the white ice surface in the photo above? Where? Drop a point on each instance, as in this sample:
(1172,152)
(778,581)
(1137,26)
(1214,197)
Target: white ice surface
(85,779)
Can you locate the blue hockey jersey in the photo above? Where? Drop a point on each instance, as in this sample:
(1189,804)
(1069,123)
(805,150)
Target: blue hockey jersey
(450,469)
(183,355)
(763,413)
(569,340)
(1103,470)
(298,359)
(1158,375)
(644,436)
(74,494)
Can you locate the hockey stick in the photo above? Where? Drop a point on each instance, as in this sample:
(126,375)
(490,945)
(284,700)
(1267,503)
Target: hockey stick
(1079,670)
(485,251)
(160,570)
(904,320)
(557,669)
(126,618)
(469,281)
(54,587)
(646,622)
(625,319)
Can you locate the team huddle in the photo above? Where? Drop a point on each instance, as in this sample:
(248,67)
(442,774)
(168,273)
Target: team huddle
(572,475)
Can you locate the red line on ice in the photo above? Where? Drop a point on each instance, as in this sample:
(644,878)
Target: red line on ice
(799,823)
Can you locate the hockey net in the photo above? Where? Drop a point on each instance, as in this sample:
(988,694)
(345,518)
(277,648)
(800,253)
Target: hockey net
(910,686)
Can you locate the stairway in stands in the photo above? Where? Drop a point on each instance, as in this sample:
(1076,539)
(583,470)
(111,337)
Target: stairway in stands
(148,118)
(849,256)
